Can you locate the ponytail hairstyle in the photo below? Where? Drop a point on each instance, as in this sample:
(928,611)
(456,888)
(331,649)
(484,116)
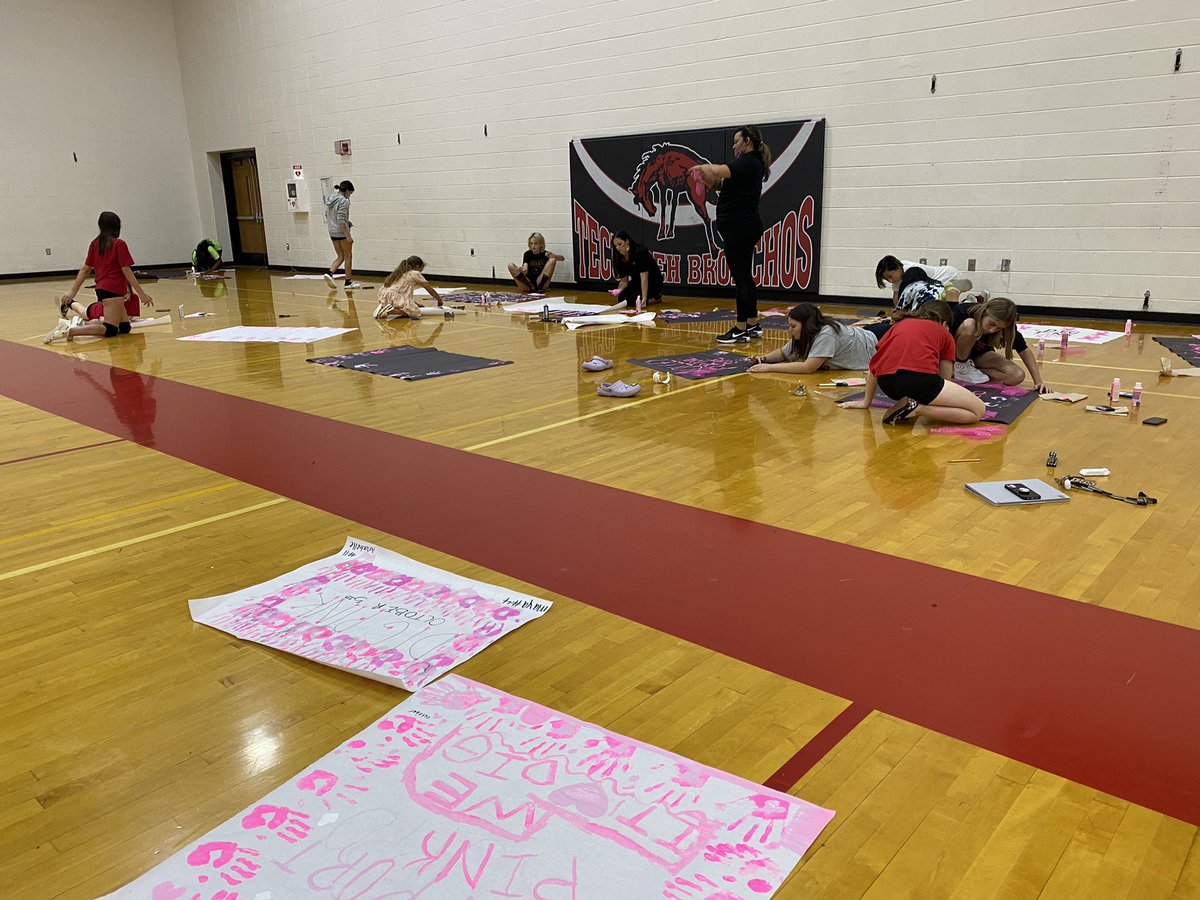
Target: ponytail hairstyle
(935,310)
(110,229)
(345,187)
(412,264)
(913,274)
(1004,311)
(754,136)
(887,264)
(811,320)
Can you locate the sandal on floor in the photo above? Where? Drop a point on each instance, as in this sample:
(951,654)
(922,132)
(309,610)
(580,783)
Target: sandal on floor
(618,389)
(900,411)
(598,364)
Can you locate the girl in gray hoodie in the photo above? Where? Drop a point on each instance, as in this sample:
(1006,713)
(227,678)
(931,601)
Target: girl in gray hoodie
(337,218)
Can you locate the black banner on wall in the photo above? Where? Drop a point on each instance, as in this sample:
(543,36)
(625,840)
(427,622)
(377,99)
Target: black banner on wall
(638,183)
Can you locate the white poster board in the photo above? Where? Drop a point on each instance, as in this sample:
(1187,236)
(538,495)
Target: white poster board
(464,791)
(373,612)
(266,334)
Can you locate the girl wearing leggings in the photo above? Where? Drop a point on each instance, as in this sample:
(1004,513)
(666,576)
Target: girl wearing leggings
(739,224)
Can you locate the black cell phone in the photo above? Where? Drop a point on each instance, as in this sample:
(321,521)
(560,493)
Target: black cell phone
(1023,492)
(1154,420)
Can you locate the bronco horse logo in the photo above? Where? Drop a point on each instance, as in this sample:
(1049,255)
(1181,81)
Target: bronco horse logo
(663,173)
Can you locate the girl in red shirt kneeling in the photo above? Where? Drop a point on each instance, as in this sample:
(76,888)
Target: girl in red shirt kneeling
(915,362)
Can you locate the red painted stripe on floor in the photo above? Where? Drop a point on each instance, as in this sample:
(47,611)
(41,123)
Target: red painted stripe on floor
(1097,696)
(814,751)
(9,462)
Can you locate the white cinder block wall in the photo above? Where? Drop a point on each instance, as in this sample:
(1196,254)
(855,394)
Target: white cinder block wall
(1059,136)
(101,82)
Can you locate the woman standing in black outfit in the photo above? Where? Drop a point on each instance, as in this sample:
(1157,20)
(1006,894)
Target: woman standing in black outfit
(739,224)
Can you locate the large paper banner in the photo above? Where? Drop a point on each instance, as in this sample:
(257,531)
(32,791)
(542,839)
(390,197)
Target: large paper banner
(465,791)
(1185,348)
(266,334)
(373,612)
(1004,403)
(1053,334)
(639,183)
(410,363)
(701,364)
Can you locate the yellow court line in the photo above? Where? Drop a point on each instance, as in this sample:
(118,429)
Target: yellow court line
(103,517)
(74,557)
(599,412)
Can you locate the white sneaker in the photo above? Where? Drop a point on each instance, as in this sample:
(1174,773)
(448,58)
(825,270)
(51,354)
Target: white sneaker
(330,282)
(58,331)
(76,320)
(378,314)
(351,285)
(967,371)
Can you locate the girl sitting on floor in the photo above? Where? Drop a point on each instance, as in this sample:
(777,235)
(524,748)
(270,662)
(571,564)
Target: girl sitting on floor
(980,332)
(536,271)
(818,343)
(914,362)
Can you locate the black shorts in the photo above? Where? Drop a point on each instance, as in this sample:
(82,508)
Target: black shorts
(102,294)
(920,386)
(337,237)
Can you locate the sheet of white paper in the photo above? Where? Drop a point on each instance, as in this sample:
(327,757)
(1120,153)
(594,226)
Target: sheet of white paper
(373,612)
(464,791)
(421,292)
(1053,333)
(553,303)
(615,319)
(312,277)
(249,334)
(148,323)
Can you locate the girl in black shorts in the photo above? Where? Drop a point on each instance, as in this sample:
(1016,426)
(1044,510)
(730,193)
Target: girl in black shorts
(913,364)
(109,258)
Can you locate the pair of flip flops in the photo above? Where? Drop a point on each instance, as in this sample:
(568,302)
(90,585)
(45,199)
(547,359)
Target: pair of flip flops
(598,364)
(619,389)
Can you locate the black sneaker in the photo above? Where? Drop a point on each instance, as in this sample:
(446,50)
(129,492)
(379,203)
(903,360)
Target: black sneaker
(900,411)
(734,336)
(755,330)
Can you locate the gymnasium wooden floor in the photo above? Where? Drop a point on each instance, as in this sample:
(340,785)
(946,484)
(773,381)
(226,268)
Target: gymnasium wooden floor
(995,702)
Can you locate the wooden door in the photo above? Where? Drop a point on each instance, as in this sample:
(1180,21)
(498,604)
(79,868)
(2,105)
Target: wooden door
(248,207)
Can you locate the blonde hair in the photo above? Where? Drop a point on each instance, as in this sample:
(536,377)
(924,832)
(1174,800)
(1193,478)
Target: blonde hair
(412,264)
(1004,311)
(536,236)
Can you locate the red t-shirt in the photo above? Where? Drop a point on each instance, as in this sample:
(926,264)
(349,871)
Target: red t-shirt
(916,345)
(107,268)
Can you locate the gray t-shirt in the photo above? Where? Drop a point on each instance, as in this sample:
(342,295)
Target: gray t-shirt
(845,347)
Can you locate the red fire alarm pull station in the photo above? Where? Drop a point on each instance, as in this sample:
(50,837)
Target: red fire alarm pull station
(341,148)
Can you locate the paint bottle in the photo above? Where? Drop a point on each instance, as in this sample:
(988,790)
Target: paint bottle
(546,313)
(1128,326)
(1041,346)
(1137,394)
(1064,339)
(1114,393)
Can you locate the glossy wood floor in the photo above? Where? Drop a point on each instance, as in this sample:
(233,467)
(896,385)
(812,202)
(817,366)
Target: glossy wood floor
(126,730)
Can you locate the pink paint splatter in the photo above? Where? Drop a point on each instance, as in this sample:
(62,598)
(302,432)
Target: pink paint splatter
(759,886)
(978,433)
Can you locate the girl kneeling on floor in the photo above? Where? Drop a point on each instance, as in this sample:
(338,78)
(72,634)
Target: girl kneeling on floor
(914,363)
(109,258)
(397,298)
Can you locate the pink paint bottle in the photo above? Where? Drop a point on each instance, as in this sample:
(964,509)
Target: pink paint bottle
(1114,393)
(1064,339)
(1041,346)
(1128,327)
